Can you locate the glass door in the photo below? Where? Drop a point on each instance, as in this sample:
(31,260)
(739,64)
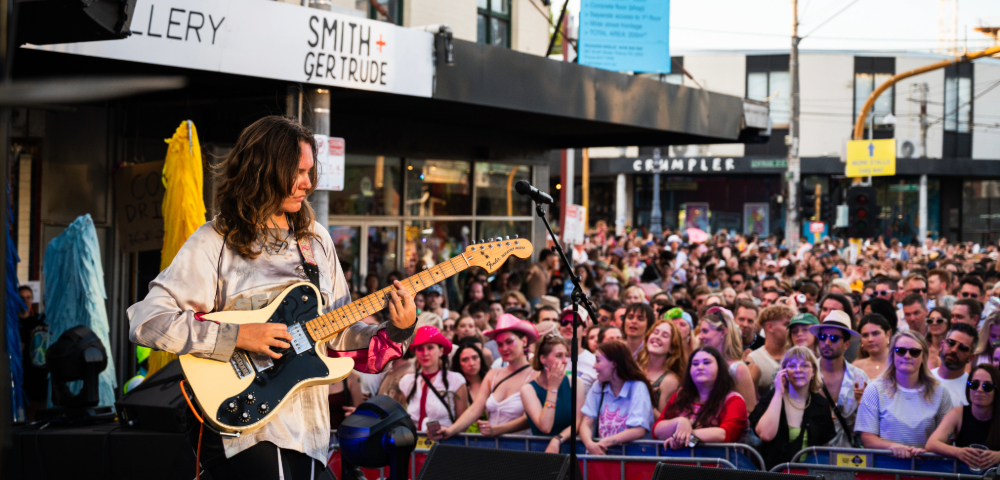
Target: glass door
(370,248)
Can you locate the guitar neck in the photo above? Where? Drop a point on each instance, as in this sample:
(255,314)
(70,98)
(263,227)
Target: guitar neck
(327,326)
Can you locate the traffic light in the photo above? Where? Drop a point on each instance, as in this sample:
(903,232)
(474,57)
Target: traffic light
(807,202)
(862,212)
(827,210)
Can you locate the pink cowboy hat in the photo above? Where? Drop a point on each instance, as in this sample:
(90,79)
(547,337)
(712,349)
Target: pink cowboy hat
(510,323)
(430,334)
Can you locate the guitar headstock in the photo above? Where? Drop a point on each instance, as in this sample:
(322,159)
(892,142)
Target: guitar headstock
(491,254)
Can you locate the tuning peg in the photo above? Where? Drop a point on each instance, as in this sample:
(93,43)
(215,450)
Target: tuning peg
(508,237)
(515,235)
(482,241)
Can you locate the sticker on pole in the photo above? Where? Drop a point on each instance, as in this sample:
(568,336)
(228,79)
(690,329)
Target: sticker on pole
(330,156)
(876,158)
(576,223)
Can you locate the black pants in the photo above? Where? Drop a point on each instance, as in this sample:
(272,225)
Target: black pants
(261,461)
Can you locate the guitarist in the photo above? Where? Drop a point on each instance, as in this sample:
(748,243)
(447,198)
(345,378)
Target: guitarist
(264,239)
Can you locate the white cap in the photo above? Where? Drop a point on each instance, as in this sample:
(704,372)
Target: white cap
(673,238)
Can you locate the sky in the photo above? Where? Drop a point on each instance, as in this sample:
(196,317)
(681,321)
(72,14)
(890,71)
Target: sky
(897,25)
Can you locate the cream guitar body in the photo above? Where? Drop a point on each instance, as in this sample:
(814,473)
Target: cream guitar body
(242,395)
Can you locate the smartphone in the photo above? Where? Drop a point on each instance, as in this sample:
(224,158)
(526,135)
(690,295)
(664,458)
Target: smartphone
(433,426)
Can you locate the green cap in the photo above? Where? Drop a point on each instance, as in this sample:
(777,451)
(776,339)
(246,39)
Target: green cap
(803,319)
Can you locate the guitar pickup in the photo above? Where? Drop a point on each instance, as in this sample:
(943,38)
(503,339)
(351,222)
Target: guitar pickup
(240,364)
(300,341)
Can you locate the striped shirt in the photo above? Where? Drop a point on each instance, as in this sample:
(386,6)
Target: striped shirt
(906,417)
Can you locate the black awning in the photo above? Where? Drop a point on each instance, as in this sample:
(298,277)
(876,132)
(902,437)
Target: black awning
(493,103)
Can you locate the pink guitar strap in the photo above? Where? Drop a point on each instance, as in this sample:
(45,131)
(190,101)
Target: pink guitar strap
(309,260)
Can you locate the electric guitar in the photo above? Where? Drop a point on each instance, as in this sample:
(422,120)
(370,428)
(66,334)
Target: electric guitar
(243,394)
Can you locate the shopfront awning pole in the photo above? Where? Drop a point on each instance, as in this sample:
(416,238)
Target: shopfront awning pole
(6,402)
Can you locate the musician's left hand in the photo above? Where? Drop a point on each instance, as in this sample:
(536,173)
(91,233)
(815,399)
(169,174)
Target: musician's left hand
(402,310)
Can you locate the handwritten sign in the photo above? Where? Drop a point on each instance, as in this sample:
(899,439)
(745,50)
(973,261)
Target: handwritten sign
(139,195)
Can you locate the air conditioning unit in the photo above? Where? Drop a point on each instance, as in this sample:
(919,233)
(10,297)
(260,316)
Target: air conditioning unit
(907,148)
(681,150)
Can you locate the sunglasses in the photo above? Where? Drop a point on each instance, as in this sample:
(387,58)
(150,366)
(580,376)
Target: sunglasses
(935,321)
(919,290)
(834,338)
(914,352)
(987,386)
(970,295)
(961,347)
(884,293)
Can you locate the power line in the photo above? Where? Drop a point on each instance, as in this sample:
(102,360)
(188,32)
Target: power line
(778,35)
(984,92)
(849,5)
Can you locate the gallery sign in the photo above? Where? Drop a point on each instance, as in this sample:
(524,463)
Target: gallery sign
(274,40)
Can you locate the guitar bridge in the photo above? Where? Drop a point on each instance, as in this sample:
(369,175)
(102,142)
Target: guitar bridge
(300,342)
(241,364)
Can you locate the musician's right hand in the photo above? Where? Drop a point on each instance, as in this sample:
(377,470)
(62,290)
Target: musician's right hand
(260,337)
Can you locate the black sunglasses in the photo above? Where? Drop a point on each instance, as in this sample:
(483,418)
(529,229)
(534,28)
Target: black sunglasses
(914,352)
(961,347)
(935,321)
(970,295)
(834,338)
(987,386)
(884,293)
(919,290)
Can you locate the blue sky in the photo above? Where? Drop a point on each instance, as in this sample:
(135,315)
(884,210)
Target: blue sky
(905,25)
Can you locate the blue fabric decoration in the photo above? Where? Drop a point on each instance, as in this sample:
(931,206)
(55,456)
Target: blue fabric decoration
(14,306)
(74,293)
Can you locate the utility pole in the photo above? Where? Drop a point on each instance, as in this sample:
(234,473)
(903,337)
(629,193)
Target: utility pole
(922,198)
(656,217)
(794,167)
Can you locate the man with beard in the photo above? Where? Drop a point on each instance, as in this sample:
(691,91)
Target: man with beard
(843,383)
(955,354)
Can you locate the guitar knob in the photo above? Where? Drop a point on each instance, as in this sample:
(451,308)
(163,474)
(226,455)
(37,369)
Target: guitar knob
(231,406)
(245,417)
(251,398)
(263,408)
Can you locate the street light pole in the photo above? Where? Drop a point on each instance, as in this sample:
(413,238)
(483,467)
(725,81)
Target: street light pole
(656,217)
(794,166)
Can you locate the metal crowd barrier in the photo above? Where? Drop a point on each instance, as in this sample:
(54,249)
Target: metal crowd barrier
(637,459)
(862,462)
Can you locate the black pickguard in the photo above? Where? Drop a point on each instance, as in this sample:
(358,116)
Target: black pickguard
(272,385)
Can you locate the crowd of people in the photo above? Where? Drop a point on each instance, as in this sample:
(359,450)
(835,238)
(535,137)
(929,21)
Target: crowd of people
(735,339)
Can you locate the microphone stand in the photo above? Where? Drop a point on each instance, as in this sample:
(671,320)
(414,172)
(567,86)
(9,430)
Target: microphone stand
(578,298)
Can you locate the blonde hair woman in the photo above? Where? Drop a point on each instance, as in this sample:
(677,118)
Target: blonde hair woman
(794,414)
(718,329)
(634,294)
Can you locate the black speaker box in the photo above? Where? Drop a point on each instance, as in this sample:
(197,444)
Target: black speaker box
(157,403)
(683,472)
(448,462)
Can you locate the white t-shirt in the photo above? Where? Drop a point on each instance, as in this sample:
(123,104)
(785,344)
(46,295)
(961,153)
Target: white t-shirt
(956,387)
(906,417)
(434,409)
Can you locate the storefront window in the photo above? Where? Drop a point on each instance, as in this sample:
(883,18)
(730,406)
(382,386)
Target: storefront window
(495,193)
(981,211)
(438,187)
(429,243)
(371,187)
(899,200)
(347,242)
(383,243)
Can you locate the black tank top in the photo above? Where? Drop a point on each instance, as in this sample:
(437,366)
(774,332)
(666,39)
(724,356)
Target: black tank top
(973,430)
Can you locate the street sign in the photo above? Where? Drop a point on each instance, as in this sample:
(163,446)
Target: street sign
(876,158)
(906,187)
(330,155)
(625,35)
(576,223)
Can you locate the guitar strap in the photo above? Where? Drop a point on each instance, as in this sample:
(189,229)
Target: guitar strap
(309,260)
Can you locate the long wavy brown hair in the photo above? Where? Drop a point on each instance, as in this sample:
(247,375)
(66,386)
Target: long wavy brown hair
(256,177)
(675,360)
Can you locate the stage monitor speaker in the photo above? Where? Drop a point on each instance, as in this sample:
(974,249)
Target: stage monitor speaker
(447,462)
(666,471)
(45,22)
(157,403)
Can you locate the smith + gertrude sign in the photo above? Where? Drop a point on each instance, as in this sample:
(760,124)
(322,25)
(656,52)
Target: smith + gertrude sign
(275,40)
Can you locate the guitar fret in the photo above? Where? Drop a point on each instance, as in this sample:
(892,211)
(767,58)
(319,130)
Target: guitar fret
(415,290)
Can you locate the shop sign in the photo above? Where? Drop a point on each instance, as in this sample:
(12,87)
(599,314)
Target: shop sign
(139,193)
(684,165)
(776,163)
(910,187)
(875,158)
(274,40)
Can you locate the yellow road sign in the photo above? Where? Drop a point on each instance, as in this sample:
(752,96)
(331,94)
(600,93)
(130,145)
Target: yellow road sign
(871,157)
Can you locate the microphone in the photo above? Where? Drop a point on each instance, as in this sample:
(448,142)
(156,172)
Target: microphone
(525,188)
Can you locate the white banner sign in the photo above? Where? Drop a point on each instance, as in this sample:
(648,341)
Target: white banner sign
(275,40)
(330,154)
(576,223)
